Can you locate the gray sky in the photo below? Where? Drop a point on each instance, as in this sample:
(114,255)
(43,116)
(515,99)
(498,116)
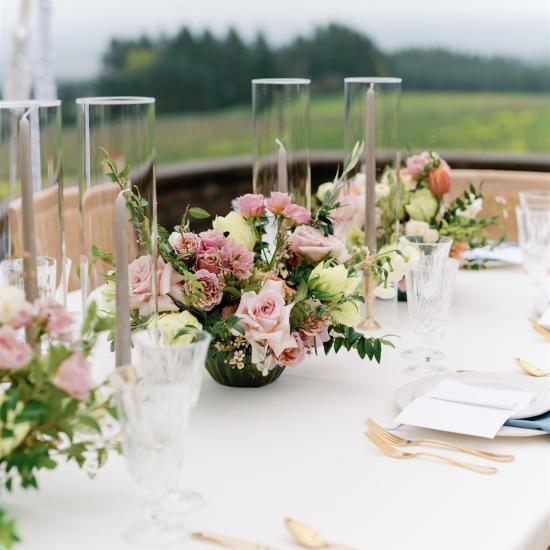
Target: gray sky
(82,29)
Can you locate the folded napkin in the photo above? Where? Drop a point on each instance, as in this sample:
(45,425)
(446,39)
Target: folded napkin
(540,422)
(507,253)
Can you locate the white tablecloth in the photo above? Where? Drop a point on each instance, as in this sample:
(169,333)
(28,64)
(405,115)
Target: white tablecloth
(296,448)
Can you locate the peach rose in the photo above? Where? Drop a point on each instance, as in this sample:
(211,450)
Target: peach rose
(439,179)
(73,376)
(184,243)
(310,243)
(14,353)
(417,163)
(278,202)
(291,357)
(251,205)
(296,215)
(265,319)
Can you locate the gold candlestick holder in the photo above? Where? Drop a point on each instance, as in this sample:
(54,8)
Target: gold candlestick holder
(368,323)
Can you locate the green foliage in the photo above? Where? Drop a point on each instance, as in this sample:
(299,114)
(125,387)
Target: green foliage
(8,532)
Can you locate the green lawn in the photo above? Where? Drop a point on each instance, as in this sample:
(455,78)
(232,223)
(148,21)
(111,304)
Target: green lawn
(464,121)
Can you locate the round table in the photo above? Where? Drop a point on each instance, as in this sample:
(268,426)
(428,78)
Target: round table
(296,448)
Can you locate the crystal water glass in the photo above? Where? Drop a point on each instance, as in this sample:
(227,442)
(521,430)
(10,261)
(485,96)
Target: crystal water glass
(155,398)
(534,241)
(431,253)
(429,295)
(13,274)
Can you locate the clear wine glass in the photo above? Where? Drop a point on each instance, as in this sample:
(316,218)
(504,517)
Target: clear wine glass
(431,253)
(429,295)
(155,399)
(13,273)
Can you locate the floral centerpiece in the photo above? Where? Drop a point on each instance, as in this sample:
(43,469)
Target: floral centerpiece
(418,200)
(269,281)
(49,405)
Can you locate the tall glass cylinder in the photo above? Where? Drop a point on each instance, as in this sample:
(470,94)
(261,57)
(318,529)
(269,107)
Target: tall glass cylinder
(281,137)
(372,112)
(116,170)
(32,246)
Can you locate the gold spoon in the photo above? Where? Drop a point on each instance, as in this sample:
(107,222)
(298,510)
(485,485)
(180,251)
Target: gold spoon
(544,332)
(531,369)
(309,538)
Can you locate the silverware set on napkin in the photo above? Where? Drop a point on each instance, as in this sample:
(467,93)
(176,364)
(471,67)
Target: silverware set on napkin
(388,443)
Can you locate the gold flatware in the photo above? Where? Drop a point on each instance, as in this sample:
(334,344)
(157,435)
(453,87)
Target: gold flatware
(531,369)
(309,538)
(394,439)
(388,450)
(229,542)
(544,332)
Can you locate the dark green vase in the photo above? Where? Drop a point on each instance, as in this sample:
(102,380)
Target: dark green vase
(248,377)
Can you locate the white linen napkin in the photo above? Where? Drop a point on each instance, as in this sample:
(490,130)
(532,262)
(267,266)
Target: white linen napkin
(456,407)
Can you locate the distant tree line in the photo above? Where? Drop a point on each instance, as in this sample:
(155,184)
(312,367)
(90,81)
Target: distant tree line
(199,71)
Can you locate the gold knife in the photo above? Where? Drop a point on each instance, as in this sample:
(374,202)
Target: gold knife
(229,542)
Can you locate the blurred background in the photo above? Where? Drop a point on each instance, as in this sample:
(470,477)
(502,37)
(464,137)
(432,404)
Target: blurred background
(476,75)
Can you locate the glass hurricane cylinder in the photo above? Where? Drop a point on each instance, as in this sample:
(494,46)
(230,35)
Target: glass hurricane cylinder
(373,188)
(111,232)
(32,245)
(281,137)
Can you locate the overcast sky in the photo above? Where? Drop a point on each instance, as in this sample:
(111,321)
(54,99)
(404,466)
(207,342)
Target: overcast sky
(82,29)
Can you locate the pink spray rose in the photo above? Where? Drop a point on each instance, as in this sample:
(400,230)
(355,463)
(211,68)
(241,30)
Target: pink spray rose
(296,215)
(73,376)
(278,202)
(291,357)
(184,243)
(265,319)
(58,320)
(211,289)
(439,179)
(24,316)
(310,243)
(314,331)
(417,163)
(208,259)
(14,353)
(211,239)
(251,205)
(237,259)
(140,275)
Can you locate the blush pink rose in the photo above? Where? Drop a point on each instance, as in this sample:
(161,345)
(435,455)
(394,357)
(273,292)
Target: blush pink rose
(211,289)
(265,319)
(296,215)
(73,376)
(24,316)
(314,331)
(14,353)
(58,321)
(439,179)
(237,259)
(140,278)
(416,164)
(212,239)
(208,259)
(278,202)
(311,244)
(251,205)
(290,357)
(352,205)
(184,243)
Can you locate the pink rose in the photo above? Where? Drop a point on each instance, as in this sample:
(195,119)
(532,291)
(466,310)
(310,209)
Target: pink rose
(314,330)
(352,204)
(251,206)
(140,277)
(237,259)
(278,202)
(24,317)
(184,243)
(265,319)
(73,376)
(59,322)
(296,214)
(210,289)
(208,259)
(211,239)
(14,353)
(439,179)
(310,243)
(290,357)
(416,164)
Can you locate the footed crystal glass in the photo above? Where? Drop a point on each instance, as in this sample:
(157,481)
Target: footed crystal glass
(155,398)
(429,296)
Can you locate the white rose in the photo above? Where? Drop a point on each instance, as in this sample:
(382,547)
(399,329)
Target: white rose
(323,188)
(12,301)
(472,210)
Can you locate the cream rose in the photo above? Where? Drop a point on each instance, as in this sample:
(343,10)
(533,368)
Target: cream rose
(12,301)
(238,228)
(172,323)
(332,280)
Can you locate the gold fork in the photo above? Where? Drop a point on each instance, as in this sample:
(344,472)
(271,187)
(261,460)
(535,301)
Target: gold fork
(544,332)
(387,449)
(394,439)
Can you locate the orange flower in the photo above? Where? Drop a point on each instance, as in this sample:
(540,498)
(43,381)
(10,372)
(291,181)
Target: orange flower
(439,179)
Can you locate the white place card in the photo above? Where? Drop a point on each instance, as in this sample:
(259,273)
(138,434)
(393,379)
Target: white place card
(460,408)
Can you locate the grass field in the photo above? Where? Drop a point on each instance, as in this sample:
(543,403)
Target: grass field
(442,121)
